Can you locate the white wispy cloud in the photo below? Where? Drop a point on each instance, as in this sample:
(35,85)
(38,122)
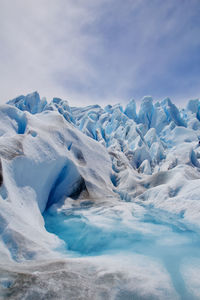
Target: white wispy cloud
(42,41)
(99,51)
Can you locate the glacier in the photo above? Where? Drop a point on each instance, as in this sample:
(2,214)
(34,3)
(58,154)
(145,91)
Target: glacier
(99,203)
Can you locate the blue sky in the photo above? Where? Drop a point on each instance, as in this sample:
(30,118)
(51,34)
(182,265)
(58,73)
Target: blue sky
(100,51)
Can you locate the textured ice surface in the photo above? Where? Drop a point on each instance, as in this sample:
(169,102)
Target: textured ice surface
(128,231)
(99,203)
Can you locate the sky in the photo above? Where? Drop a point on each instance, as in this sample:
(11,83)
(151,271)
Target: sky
(100,51)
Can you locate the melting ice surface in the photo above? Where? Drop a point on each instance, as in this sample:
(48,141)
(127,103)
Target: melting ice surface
(129,227)
(128,230)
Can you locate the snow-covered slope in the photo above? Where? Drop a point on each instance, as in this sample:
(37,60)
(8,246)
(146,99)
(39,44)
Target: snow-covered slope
(44,159)
(94,177)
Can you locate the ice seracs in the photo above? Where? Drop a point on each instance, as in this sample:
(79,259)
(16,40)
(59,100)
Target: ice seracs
(44,159)
(89,181)
(147,139)
(31,103)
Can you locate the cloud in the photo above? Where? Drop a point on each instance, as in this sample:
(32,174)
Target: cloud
(43,43)
(98,51)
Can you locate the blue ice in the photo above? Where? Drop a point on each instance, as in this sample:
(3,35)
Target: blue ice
(89,231)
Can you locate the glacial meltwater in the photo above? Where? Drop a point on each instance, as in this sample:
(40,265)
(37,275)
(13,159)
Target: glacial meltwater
(128,231)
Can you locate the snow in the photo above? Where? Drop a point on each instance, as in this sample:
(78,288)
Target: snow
(40,169)
(102,186)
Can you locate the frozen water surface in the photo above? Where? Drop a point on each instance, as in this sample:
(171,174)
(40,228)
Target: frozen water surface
(128,230)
